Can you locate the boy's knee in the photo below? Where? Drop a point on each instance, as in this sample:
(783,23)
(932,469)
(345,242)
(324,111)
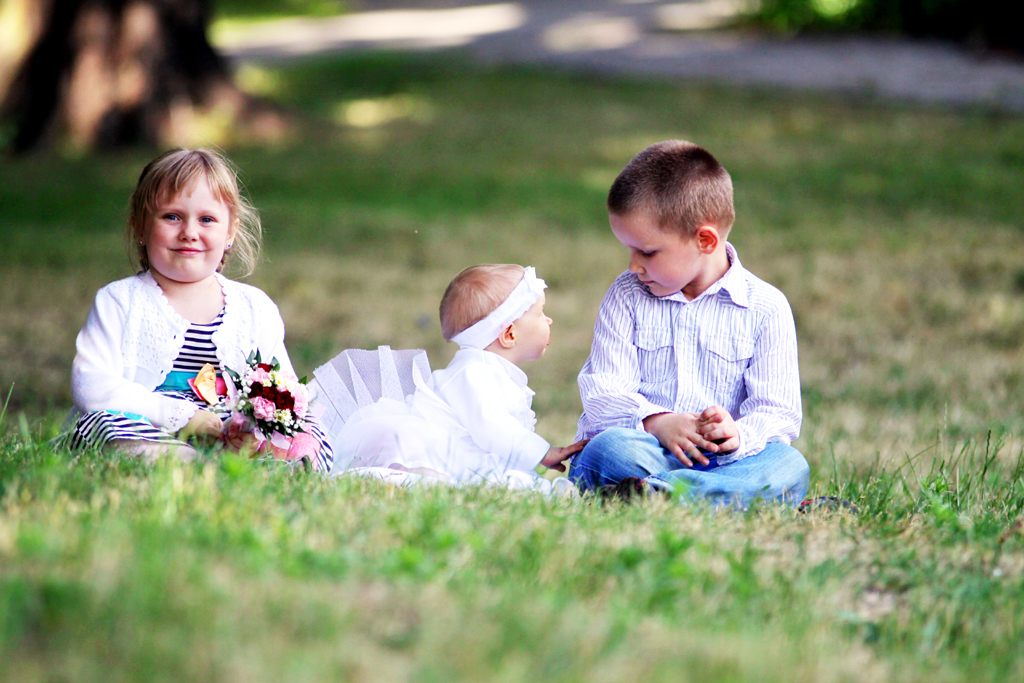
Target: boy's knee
(790,473)
(611,453)
(609,441)
(616,444)
(588,463)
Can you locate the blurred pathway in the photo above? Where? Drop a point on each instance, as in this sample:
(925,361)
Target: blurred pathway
(644,37)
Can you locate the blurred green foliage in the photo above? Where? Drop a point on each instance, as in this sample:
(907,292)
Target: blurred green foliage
(249,9)
(983,23)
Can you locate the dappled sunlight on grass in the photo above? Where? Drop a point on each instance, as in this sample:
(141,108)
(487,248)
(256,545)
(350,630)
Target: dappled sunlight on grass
(369,113)
(894,232)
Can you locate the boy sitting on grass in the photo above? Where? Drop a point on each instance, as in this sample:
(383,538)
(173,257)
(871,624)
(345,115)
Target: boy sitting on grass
(692,383)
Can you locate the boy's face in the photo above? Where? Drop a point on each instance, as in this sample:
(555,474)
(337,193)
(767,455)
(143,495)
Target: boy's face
(666,262)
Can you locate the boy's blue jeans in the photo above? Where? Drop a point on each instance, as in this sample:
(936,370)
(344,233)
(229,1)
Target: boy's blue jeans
(778,473)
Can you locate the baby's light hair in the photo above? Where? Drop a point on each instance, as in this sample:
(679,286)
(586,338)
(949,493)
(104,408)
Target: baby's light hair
(679,184)
(173,172)
(474,293)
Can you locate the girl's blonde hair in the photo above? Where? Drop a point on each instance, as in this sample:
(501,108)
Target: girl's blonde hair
(474,293)
(175,171)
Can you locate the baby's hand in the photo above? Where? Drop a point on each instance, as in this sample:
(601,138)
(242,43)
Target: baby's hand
(556,456)
(716,424)
(203,425)
(679,433)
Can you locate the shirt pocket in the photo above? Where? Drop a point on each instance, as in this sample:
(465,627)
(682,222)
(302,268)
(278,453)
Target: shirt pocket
(656,353)
(724,360)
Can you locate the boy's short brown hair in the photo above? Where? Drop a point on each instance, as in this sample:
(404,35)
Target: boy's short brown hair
(474,293)
(679,184)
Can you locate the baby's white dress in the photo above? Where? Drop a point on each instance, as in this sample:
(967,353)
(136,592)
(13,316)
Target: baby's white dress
(472,422)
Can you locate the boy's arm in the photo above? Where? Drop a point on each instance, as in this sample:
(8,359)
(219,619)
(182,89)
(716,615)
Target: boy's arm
(610,380)
(772,410)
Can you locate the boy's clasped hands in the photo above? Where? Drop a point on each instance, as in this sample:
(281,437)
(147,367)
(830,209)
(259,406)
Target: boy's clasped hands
(688,435)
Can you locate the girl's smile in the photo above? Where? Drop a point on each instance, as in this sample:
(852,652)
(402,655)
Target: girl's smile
(186,236)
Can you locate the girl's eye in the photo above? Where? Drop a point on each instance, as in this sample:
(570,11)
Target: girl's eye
(206,219)
(170,216)
(648,254)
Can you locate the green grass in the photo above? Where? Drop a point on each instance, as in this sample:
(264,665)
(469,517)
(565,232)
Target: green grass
(255,10)
(228,569)
(895,232)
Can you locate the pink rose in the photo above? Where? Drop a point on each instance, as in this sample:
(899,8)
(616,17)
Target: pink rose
(260,375)
(304,446)
(263,408)
(301,403)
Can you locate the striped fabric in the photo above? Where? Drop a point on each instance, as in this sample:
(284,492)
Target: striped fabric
(199,348)
(100,427)
(733,346)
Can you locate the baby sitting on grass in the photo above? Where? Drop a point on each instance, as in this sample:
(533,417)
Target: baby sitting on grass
(472,421)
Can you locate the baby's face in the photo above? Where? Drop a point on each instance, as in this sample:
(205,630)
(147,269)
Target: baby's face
(533,332)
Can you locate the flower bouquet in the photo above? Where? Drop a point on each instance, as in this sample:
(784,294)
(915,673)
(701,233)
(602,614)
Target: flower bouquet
(272,404)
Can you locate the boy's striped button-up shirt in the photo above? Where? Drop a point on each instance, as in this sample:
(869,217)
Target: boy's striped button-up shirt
(733,346)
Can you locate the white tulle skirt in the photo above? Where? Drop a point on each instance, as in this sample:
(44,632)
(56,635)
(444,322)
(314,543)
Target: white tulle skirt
(384,421)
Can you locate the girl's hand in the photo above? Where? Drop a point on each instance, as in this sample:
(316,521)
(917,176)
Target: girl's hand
(553,460)
(203,425)
(239,438)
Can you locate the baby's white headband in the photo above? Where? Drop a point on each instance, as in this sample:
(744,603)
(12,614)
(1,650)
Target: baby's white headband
(479,335)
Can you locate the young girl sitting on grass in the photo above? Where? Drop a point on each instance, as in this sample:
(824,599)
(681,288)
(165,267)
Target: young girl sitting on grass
(148,335)
(472,421)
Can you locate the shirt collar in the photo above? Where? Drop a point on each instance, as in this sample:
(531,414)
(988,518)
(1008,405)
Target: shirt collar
(733,283)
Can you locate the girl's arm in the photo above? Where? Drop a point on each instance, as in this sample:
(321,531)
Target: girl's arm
(97,375)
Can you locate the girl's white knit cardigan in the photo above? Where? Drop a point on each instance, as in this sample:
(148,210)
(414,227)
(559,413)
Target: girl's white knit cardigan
(133,335)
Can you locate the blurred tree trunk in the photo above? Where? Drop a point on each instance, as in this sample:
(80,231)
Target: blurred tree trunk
(109,73)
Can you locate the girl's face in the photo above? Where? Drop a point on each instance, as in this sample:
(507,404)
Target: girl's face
(187,234)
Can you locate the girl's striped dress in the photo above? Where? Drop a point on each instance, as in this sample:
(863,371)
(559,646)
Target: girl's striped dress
(102,426)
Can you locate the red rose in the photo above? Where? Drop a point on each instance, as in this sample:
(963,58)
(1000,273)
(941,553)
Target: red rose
(264,366)
(284,400)
(257,390)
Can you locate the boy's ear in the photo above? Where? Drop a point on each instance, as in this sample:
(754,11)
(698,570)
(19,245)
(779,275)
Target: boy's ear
(707,238)
(507,338)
